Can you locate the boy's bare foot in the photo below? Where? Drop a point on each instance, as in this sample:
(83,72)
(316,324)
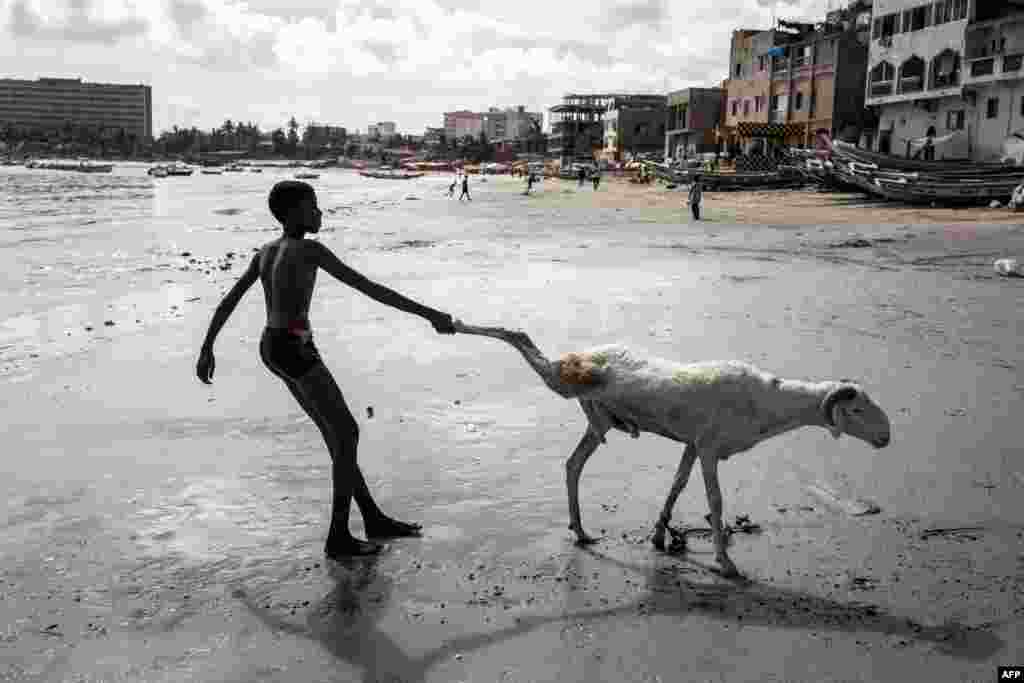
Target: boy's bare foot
(385,527)
(351,547)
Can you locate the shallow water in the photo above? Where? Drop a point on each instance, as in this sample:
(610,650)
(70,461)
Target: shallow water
(119,463)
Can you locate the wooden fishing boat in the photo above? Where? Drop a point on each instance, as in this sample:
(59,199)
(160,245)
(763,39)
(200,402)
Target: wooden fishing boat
(391,175)
(307,176)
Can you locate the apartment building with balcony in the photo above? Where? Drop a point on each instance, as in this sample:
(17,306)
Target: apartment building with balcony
(51,104)
(915,77)
(789,83)
(993,74)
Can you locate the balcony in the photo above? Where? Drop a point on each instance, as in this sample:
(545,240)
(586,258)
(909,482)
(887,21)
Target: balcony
(1012,63)
(780,65)
(910,84)
(881,89)
(983,67)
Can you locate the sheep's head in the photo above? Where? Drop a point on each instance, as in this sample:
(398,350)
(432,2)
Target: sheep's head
(849,410)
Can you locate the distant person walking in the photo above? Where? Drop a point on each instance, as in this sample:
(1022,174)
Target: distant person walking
(596,178)
(465,188)
(530,180)
(581,175)
(696,194)
(451,188)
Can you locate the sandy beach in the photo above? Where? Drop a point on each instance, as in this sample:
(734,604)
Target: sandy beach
(156,529)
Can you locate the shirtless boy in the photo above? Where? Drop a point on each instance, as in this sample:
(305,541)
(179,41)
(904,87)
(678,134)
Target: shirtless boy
(287,267)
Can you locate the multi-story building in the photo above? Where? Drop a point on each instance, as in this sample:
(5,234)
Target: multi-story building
(432,136)
(577,126)
(52,104)
(387,129)
(459,124)
(634,125)
(520,124)
(691,118)
(494,123)
(915,76)
(794,81)
(993,77)
(318,136)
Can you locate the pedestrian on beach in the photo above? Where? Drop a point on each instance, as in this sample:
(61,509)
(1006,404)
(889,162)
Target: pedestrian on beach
(465,188)
(696,194)
(596,178)
(287,268)
(451,188)
(530,180)
(581,176)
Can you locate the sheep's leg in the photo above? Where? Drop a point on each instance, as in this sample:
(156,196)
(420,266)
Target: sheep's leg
(678,484)
(573,469)
(709,466)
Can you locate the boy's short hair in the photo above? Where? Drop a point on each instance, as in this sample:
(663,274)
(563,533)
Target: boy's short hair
(287,194)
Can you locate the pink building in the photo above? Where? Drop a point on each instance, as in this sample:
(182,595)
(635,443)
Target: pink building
(458,124)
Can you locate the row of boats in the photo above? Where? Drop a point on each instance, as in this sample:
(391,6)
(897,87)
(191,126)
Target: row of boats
(915,181)
(81,166)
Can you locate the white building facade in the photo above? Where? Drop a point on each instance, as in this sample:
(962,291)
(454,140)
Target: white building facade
(950,69)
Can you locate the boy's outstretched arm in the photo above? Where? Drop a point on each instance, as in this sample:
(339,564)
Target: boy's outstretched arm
(442,322)
(205,366)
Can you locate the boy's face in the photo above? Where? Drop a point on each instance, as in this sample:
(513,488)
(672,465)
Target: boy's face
(307,215)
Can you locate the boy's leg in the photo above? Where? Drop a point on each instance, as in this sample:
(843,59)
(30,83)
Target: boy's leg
(320,396)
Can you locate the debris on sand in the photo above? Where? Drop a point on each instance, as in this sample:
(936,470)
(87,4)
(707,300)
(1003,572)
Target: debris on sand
(229,212)
(966,533)
(1009,267)
(411,244)
(855,507)
(741,525)
(369,411)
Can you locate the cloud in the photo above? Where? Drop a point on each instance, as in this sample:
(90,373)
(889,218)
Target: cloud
(354,61)
(76,20)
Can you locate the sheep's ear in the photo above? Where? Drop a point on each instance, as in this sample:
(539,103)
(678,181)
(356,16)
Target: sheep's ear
(835,424)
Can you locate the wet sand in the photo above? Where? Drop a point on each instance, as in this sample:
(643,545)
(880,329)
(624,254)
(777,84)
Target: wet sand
(158,529)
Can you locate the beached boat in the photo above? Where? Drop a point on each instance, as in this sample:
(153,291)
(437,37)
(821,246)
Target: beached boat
(255,170)
(211,171)
(922,182)
(158,172)
(390,175)
(164,170)
(234,168)
(725,182)
(307,176)
(79,166)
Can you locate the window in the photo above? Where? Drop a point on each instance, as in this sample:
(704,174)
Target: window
(945,70)
(958,10)
(940,14)
(773,102)
(876,28)
(912,75)
(920,17)
(1012,63)
(992,108)
(799,103)
(759,103)
(1022,106)
(955,119)
(889,24)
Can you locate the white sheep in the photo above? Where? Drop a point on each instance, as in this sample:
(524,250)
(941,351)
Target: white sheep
(716,409)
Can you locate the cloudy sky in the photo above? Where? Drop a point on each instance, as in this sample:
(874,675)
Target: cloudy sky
(354,62)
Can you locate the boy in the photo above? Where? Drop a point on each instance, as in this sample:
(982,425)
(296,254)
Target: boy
(287,267)
(451,188)
(696,194)
(465,188)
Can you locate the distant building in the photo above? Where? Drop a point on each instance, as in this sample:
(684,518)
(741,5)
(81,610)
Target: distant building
(634,124)
(692,118)
(387,129)
(459,124)
(52,104)
(432,136)
(494,123)
(324,136)
(577,126)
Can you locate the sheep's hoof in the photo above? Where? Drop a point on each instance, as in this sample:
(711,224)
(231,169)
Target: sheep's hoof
(658,540)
